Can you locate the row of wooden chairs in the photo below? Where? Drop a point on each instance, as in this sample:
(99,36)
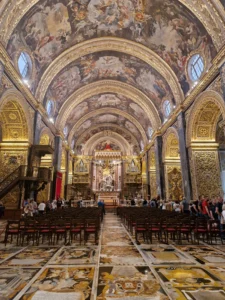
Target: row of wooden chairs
(163,225)
(54,226)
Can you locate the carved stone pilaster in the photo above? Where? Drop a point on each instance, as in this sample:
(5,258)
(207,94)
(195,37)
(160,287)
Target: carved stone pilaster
(159,167)
(37,127)
(222,74)
(1,72)
(184,159)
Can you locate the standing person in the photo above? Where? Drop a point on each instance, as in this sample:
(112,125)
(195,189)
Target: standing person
(185,206)
(41,208)
(219,206)
(30,208)
(54,204)
(205,208)
(153,203)
(48,206)
(222,222)
(59,203)
(35,207)
(145,203)
(102,205)
(212,210)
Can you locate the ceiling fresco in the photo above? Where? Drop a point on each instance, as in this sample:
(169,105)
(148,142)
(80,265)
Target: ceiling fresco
(107,145)
(80,142)
(109,65)
(109,118)
(165,26)
(111,101)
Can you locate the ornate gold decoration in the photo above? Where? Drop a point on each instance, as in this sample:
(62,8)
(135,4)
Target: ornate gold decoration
(203,117)
(205,173)
(14,124)
(171,145)
(105,111)
(108,86)
(109,44)
(173,178)
(15,115)
(153,184)
(44,140)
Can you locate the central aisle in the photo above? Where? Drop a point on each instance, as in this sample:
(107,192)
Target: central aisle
(123,272)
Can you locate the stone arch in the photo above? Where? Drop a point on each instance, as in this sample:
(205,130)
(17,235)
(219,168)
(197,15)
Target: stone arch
(108,86)
(15,118)
(112,136)
(204,116)
(105,111)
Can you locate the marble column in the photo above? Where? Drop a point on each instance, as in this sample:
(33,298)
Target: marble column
(56,163)
(57,154)
(148,175)
(184,159)
(159,167)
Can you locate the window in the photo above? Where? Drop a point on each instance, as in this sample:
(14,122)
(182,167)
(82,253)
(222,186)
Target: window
(65,131)
(195,67)
(166,108)
(24,64)
(50,107)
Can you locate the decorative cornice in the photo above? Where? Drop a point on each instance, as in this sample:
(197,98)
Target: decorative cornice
(108,86)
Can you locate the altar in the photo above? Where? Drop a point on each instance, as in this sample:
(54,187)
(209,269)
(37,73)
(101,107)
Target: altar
(110,198)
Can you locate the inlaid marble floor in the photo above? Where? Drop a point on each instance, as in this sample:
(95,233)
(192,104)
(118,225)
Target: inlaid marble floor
(117,268)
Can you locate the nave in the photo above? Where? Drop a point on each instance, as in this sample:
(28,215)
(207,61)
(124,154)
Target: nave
(116,268)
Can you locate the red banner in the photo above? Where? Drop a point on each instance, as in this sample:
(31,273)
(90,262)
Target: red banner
(58,185)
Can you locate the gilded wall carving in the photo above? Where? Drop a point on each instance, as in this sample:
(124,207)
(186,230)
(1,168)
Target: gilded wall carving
(11,200)
(10,160)
(206,173)
(203,116)
(153,184)
(174,190)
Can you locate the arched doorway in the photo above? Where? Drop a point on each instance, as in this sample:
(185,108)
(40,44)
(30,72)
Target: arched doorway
(203,120)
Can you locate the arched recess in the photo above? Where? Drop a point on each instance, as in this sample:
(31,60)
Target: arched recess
(17,118)
(111,136)
(108,86)
(105,111)
(172,165)
(128,136)
(109,44)
(205,114)
(16,135)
